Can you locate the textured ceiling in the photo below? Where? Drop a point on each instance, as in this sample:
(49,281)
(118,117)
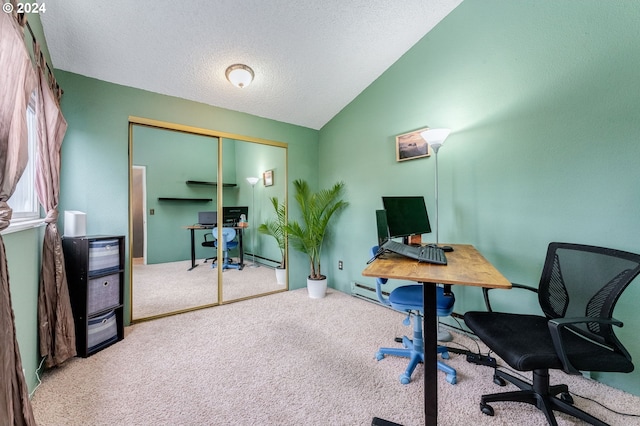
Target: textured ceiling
(310,57)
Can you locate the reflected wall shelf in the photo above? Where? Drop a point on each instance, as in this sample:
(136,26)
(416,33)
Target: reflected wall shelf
(201,182)
(198,200)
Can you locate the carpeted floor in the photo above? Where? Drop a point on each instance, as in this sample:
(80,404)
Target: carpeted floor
(170,287)
(283,359)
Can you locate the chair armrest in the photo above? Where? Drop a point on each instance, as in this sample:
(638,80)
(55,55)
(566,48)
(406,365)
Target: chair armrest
(485,292)
(557,324)
(206,235)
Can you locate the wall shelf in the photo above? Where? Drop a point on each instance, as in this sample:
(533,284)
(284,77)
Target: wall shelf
(201,182)
(198,200)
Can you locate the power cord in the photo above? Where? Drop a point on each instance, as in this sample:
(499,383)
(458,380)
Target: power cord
(605,407)
(523,377)
(37,377)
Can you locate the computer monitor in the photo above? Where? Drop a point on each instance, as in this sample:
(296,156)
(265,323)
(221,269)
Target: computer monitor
(207,218)
(406,215)
(231,215)
(383,228)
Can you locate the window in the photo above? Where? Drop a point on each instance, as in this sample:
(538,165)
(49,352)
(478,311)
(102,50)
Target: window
(24,201)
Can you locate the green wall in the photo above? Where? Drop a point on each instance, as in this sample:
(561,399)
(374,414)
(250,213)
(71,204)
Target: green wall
(542,99)
(252,160)
(171,159)
(24,250)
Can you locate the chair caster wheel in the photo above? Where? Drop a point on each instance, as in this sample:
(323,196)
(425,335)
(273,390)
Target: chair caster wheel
(404,379)
(444,355)
(452,379)
(566,397)
(379,356)
(499,381)
(486,409)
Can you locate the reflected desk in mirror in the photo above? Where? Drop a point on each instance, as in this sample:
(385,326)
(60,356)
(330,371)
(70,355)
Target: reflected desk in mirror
(193,228)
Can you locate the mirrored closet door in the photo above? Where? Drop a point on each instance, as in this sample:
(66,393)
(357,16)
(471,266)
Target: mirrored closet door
(198,198)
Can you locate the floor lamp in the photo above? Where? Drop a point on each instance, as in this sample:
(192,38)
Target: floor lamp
(435,138)
(252,181)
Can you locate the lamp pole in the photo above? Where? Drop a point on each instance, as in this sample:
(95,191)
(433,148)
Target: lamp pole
(435,151)
(435,138)
(252,181)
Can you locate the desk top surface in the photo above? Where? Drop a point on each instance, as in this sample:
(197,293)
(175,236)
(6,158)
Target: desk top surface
(465,266)
(196,226)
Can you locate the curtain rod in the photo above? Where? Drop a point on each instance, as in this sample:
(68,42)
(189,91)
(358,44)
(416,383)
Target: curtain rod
(33,37)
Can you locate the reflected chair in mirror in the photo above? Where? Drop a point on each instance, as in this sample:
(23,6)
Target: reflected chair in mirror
(228,243)
(578,291)
(409,299)
(209,241)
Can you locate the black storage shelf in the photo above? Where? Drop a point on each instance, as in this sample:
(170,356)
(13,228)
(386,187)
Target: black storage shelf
(80,278)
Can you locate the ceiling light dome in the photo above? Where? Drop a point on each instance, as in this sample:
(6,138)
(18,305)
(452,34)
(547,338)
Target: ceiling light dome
(239,75)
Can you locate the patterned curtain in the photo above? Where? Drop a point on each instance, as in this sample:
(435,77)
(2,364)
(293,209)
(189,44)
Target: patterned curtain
(18,81)
(55,318)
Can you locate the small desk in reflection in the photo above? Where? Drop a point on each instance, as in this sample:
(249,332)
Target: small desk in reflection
(193,228)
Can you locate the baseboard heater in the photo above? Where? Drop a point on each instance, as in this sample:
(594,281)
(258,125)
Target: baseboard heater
(363,291)
(263,260)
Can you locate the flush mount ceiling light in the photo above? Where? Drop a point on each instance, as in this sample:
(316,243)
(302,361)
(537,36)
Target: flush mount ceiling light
(239,75)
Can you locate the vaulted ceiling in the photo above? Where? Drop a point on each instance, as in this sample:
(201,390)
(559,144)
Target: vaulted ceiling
(310,57)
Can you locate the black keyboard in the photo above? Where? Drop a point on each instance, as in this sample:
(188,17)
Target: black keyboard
(428,253)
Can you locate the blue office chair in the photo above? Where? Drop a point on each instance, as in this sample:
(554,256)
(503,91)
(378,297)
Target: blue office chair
(228,243)
(409,299)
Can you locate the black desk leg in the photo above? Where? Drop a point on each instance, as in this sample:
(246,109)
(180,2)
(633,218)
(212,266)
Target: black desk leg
(430,355)
(193,250)
(240,247)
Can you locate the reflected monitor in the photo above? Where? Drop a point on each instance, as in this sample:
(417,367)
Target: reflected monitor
(231,215)
(207,218)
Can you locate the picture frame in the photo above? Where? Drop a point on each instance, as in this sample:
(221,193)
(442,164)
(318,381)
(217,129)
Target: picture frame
(410,146)
(267,178)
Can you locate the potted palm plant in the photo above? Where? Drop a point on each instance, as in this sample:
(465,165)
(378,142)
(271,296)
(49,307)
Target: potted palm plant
(276,229)
(307,236)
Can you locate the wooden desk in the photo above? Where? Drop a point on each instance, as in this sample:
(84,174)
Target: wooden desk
(465,266)
(193,228)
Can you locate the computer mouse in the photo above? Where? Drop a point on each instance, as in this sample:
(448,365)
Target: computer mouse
(447,248)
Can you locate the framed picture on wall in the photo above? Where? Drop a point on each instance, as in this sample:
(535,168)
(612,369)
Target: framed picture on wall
(267,177)
(411,145)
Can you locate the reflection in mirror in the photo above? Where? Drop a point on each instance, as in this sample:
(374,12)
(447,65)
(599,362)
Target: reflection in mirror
(260,253)
(175,198)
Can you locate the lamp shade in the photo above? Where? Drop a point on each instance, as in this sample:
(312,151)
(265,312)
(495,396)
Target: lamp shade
(435,137)
(239,75)
(252,180)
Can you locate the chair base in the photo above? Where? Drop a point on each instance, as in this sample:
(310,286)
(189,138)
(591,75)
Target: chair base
(227,264)
(546,398)
(416,355)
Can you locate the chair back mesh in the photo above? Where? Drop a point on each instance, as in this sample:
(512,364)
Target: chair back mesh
(586,281)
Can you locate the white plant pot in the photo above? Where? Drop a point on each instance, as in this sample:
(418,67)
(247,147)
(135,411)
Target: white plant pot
(281,276)
(317,288)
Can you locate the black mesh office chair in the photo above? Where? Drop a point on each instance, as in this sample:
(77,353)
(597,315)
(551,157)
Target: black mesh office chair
(210,241)
(578,291)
